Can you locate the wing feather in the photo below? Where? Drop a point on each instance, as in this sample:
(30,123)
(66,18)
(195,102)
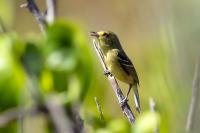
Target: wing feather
(127,66)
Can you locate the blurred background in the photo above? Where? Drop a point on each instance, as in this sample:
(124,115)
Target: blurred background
(160,37)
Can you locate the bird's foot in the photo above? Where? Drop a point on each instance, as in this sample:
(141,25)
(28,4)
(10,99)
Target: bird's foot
(123,102)
(106,72)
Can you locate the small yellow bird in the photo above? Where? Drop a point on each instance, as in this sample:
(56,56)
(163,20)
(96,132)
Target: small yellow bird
(118,63)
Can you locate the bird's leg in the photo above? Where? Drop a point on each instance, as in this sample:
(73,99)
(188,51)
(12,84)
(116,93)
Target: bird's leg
(129,89)
(126,97)
(106,72)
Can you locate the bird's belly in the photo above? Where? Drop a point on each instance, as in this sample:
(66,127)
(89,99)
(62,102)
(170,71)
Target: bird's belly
(115,68)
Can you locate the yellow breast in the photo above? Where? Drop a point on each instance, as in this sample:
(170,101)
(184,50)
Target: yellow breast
(115,68)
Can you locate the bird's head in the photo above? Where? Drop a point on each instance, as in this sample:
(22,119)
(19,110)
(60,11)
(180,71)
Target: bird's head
(105,37)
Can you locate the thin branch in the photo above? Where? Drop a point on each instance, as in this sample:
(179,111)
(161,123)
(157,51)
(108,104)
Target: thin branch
(58,115)
(152,105)
(74,116)
(14,113)
(21,124)
(99,109)
(53,108)
(194,98)
(125,108)
(51,11)
(33,8)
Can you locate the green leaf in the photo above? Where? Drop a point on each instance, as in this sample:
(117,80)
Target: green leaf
(12,79)
(123,128)
(147,123)
(66,57)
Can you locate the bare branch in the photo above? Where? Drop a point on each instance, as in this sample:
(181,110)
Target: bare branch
(14,113)
(125,108)
(58,115)
(194,98)
(152,105)
(51,11)
(99,109)
(33,8)
(52,108)
(74,116)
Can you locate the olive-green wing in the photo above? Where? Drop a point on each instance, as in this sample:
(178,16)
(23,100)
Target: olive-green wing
(127,66)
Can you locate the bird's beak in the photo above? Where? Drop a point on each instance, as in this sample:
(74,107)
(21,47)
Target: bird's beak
(95,34)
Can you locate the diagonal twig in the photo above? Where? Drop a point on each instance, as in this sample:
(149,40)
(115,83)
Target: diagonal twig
(13,114)
(33,8)
(152,105)
(99,109)
(125,108)
(58,115)
(194,98)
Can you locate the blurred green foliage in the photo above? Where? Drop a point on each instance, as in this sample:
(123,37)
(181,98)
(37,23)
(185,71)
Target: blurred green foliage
(148,122)
(10,71)
(6,12)
(11,80)
(59,63)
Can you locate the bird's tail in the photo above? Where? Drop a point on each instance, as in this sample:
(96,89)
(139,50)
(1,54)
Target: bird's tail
(136,99)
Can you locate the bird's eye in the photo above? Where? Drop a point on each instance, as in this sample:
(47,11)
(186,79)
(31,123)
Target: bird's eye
(105,34)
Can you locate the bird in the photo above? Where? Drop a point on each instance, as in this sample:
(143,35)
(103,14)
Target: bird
(118,63)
